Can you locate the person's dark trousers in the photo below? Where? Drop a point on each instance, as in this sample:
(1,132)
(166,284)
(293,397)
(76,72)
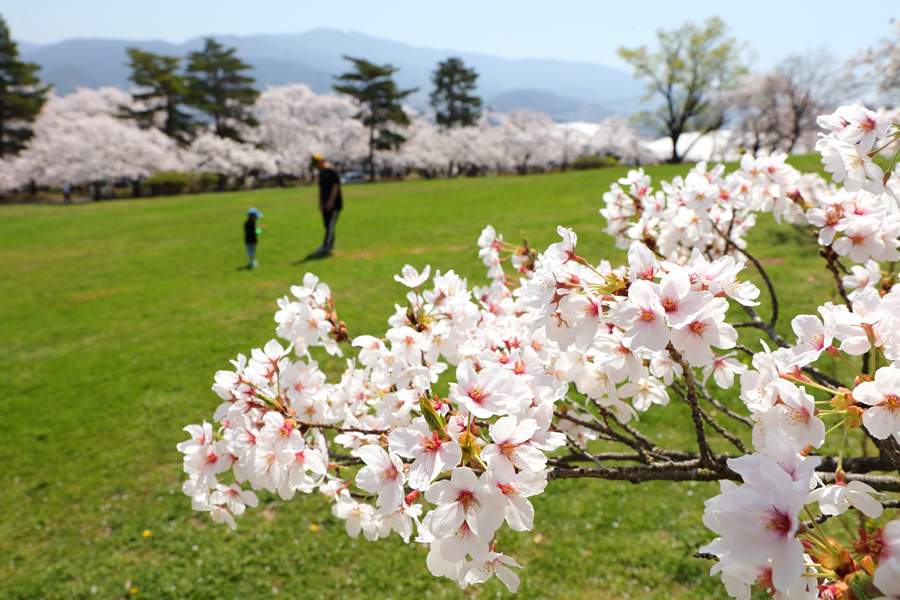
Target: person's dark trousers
(329,218)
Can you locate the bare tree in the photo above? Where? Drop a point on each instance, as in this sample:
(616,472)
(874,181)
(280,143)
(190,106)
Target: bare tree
(777,110)
(881,64)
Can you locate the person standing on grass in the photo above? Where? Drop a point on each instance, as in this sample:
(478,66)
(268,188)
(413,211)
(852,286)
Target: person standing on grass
(251,230)
(330,200)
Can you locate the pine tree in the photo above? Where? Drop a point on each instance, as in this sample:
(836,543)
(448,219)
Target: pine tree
(163,90)
(217,87)
(452,98)
(375,92)
(22,95)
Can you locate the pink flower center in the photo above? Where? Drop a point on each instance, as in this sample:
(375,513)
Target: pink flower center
(466,499)
(478,394)
(698,327)
(670,304)
(389,473)
(509,450)
(796,416)
(817,340)
(646,315)
(431,444)
(764,580)
(508,489)
(777,521)
(892,403)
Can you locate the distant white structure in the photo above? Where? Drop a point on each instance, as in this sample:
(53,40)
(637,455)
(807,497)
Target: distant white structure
(611,137)
(716,146)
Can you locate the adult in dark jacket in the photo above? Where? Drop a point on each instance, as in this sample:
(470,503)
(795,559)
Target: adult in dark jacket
(330,200)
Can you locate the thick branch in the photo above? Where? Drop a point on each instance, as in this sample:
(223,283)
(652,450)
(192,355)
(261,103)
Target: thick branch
(890,449)
(882,483)
(673,471)
(858,464)
(822,517)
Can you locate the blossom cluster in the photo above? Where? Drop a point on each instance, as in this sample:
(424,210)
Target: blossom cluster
(563,352)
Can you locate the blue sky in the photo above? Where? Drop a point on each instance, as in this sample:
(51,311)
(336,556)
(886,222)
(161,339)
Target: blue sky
(583,30)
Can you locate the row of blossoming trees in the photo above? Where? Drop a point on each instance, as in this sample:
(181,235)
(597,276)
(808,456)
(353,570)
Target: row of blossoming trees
(79,140)
(554,360)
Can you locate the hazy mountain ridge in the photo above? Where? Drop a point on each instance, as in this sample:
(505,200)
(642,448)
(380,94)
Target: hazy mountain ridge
(560,88)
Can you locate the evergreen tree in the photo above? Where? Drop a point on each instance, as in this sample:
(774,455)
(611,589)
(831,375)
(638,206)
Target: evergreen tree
(162,90)
(452,97)
(217,87)
(22,95)
(375,92)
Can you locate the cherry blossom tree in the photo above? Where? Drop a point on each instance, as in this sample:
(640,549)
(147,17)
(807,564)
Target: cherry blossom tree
(78,140)
(295,122)
(555,353)
(614,137)
(528,140)
(227,158)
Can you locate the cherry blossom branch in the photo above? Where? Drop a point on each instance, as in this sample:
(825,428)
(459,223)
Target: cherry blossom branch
(609,434)
(822,517)
(670,471)
(714,424)
(573,444)
(831,261)
(691,399)
(340,429)
(769,286)
(562,461)
(857,464)
(632,431)
(719,406)
(882,483)
(888,447)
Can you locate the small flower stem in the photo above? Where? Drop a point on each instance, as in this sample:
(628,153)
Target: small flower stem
(842,358)
(835,427)
(816,531)
(812,384)
(840,466)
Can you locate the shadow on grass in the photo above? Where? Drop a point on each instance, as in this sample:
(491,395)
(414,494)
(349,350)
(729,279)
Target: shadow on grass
(314,255)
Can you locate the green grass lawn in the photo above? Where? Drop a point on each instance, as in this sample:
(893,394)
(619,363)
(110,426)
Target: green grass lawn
(115,316)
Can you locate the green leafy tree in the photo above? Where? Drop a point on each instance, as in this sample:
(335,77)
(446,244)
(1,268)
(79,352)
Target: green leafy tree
(452,98)
(22,95)
(691,66)
(374,90)
(217,87)
(162,90)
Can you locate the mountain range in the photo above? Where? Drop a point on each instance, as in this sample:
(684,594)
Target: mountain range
(566,90)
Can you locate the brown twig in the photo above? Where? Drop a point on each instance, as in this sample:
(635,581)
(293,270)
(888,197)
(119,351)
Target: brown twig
(706,454)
